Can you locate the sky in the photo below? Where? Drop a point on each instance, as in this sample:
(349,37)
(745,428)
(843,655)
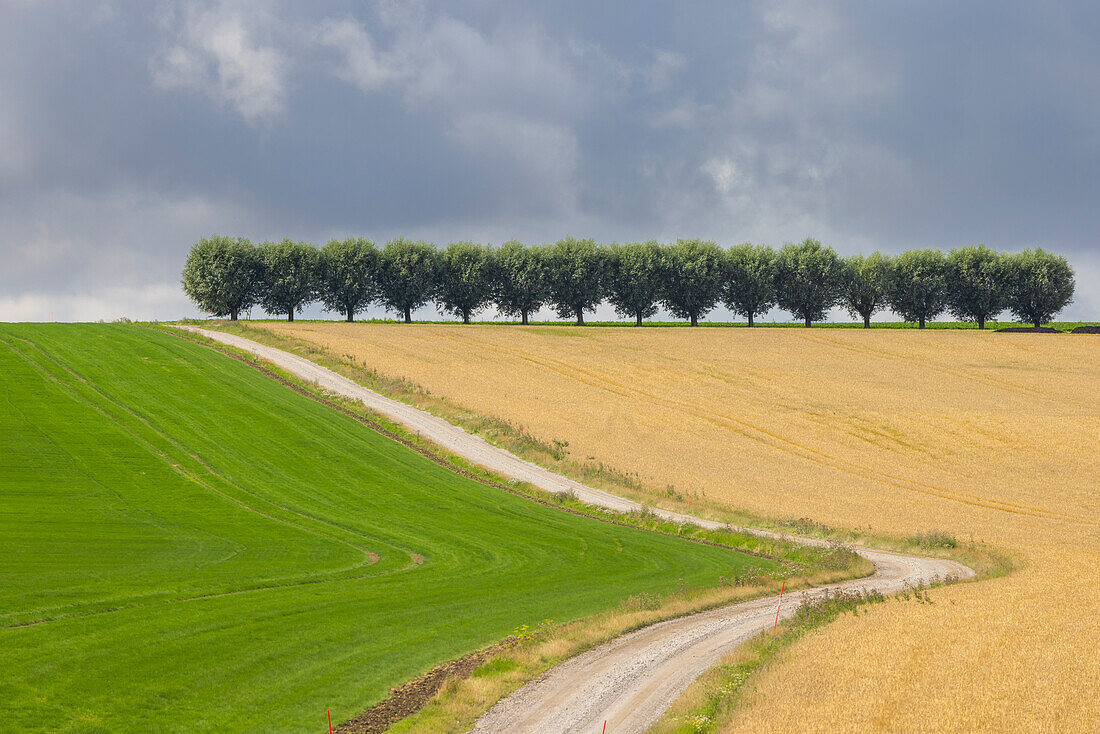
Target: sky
(130,130)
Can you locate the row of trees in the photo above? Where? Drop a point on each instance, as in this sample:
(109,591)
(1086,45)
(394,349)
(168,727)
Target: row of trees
(225,276)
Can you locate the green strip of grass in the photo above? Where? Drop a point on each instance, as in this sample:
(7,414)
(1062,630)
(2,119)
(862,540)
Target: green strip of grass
(188,545)
(930,325)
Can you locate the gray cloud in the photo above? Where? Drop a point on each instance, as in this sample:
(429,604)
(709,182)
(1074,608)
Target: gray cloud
(127,133)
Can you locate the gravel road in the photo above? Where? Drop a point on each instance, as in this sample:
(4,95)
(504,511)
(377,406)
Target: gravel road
(630,681)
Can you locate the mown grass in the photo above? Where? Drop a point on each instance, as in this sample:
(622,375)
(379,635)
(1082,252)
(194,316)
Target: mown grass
(188,545)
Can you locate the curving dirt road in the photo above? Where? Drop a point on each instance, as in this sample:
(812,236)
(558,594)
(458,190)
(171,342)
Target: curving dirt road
(630,681)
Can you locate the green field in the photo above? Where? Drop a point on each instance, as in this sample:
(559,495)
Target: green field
(186,545)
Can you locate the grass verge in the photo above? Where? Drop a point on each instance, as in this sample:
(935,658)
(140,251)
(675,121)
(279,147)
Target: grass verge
(712,701)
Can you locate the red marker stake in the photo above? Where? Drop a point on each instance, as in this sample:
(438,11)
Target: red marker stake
(605,726)
(329,711)
(781,587)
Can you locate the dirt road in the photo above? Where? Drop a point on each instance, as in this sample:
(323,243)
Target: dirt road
(630,681)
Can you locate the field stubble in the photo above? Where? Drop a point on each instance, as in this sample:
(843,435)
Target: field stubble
(982,436)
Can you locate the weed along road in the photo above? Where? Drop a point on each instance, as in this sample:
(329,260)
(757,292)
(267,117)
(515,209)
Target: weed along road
(632,680)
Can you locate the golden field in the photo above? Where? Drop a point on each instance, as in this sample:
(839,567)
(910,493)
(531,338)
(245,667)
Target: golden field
(983,435)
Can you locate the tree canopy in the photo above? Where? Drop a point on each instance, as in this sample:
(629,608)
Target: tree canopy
(577,273)
(464,284)
(520,279)
(222,275)
(918,285)
(866,285)
(634,279)
(407,275)
(977,283)
(349,275)
(750,280)
(808,279)
(225,276)
(290,276)
(1040,285)
(692,276)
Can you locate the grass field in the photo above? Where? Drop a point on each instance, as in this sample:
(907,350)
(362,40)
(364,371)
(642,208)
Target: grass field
(189,546)
(982,436)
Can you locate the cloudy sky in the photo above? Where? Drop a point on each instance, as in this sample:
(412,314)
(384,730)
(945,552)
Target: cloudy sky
(130,130)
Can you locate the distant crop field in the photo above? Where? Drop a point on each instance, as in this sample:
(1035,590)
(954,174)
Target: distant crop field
(979,436)
(186,545)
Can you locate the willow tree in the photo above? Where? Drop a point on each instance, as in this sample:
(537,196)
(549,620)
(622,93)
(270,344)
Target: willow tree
(349,275)
(866,285)
(520,279)
(222,275)
(750,280)
(577,276)
(634,279)
(918,285)
(1041,285)
(977,283)
(808,279)
(464,280)
(692,276)
(407,275)
(291,276)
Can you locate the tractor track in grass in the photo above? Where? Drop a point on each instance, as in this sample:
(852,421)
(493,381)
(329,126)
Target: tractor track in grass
(630,681)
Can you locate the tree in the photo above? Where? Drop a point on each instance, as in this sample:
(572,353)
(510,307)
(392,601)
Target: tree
(692,275)
(866,284)
(291,275)
(464,284)
(634,278)
(750,280)
(407,275)
(520,279)
(977,283)
(918,285)
(1041,285)
(222,275)
(577,277)
(808,279)
(349,275)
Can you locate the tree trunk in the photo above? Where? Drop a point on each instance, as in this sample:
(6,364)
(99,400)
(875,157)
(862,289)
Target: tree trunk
(523,315)
(867,321)
(580,317)
(807,322)
(351,315)
(750,318)
(290,315)
(920,323)
(639,323)
(694,320)
(981,322)
(465,317)
(408,315)
(1037,324)
(233,314)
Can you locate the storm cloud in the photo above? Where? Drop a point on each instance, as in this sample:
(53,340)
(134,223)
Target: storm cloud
(130,130)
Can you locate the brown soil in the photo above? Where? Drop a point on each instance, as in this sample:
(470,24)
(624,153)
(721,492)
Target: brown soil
(1029,330)
(1086,330)
(407,699)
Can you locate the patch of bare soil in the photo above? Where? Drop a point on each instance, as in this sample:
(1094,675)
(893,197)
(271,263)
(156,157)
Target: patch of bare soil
(1085,330)
(1029,330)
(407,699)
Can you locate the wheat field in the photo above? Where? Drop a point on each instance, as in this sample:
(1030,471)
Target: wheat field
(981,435)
